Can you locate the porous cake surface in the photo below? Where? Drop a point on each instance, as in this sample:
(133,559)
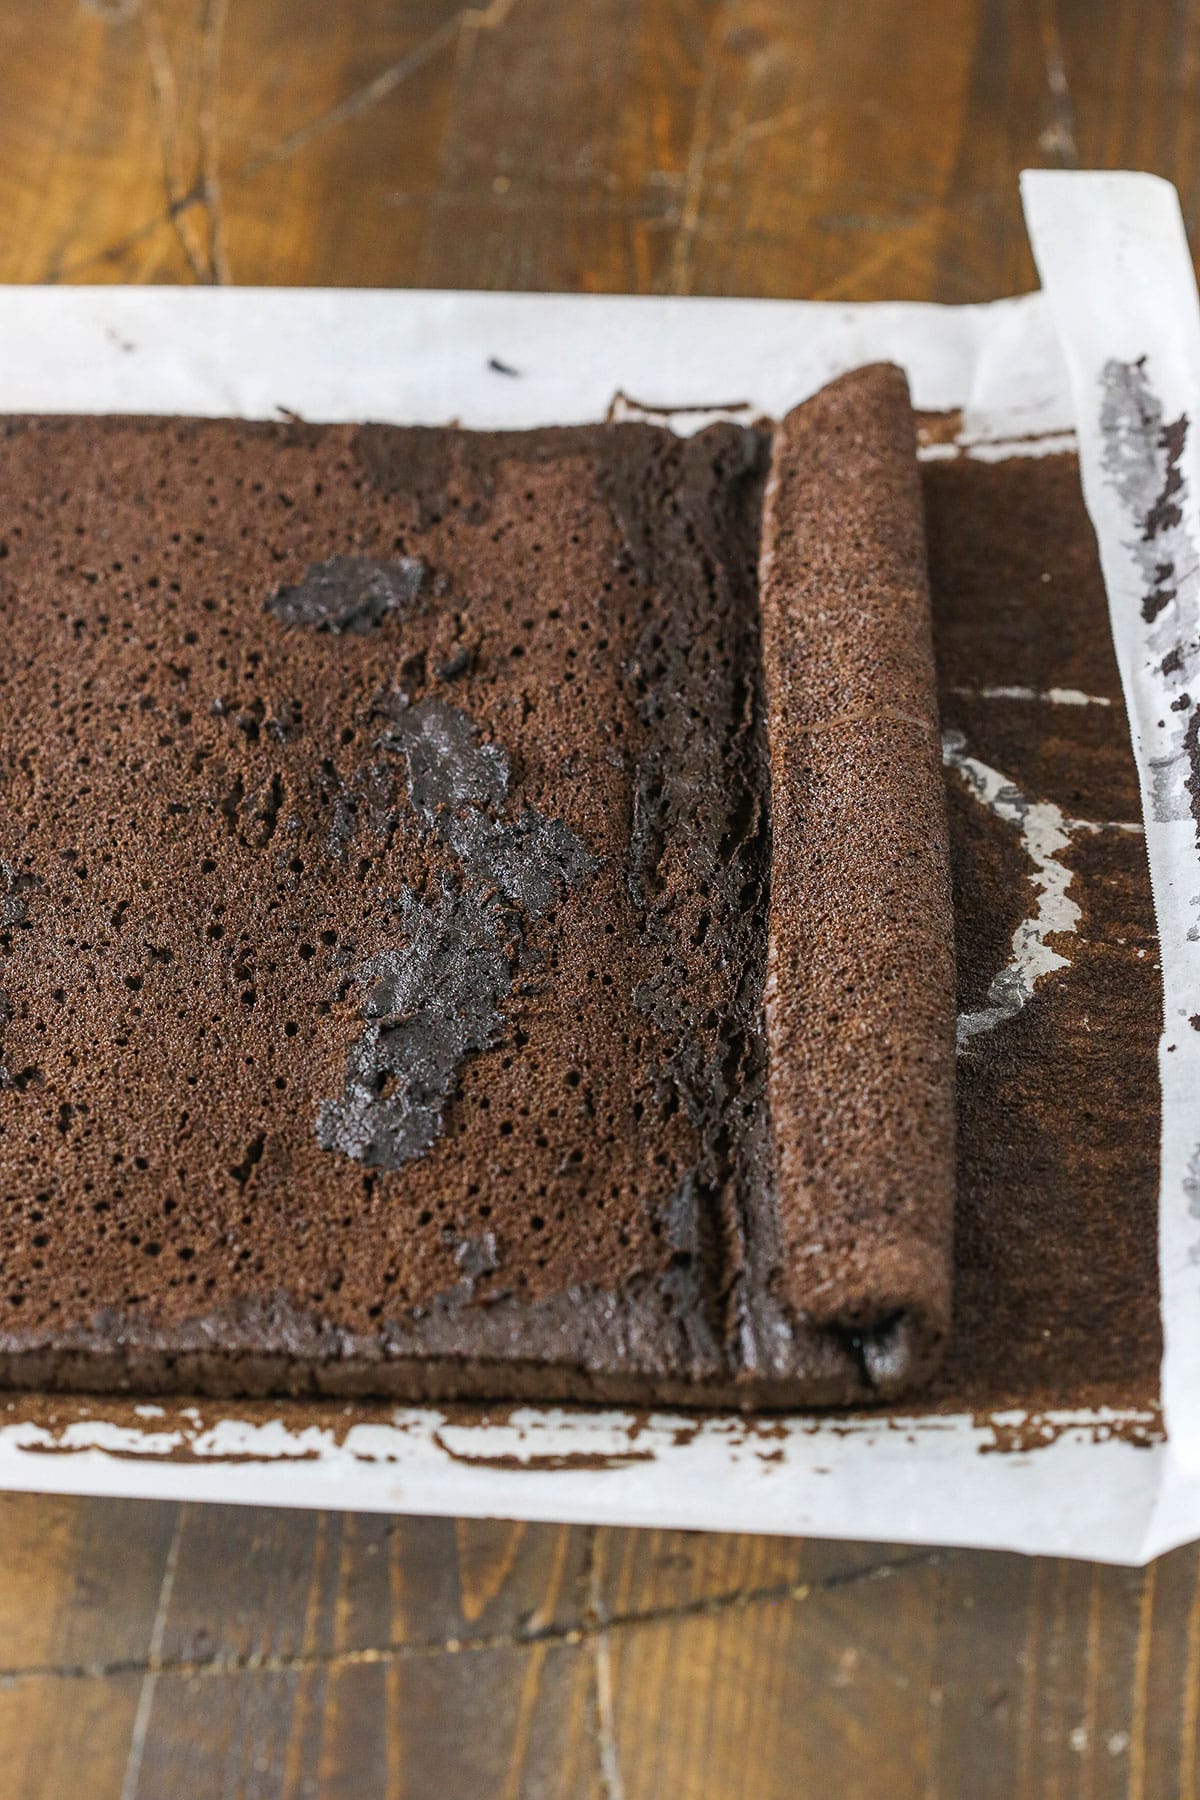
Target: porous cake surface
(336,999)
(385,867)
(383,878)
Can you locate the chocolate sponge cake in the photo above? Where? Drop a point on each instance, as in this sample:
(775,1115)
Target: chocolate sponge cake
(859,995)
(390,824)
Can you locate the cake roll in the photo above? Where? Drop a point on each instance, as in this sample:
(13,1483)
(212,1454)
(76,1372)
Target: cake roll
(860,987)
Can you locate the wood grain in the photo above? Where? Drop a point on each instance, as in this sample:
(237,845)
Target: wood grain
(781,147)
(722,146)
(211,1650)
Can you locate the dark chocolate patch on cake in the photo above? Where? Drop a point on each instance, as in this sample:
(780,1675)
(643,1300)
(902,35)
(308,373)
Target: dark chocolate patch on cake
(438,471)
(699,863)
(437,1000)
(448,765)
(15,887)
(430,1003)
(348,593)
(532,860)
(421,465)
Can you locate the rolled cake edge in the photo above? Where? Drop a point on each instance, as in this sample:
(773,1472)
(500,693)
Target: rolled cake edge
(859,1004)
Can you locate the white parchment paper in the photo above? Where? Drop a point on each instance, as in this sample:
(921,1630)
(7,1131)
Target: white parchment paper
(492,360)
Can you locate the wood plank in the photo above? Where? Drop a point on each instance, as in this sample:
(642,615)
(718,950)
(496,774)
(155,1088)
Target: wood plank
(276,1644)
(93,144)
(328,160)
(811,1694)
(83,1592)
(53,1727)
(503,1722)
(263,1584)
(752,147)
(640,1573)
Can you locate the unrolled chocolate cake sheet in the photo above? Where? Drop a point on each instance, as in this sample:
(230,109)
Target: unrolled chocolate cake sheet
(1040,1428)
(342,764)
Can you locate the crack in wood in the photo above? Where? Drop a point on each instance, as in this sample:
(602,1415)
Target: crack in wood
(113,12)
(582,1631)
(361,100)
(212,37)
(757,131)
(603,1716)
(145,1705)
(212,264)
(1058,139)
(703,122)
(166,102)
(57,272)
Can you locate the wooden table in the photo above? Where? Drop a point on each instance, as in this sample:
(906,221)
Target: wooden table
(785,147)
